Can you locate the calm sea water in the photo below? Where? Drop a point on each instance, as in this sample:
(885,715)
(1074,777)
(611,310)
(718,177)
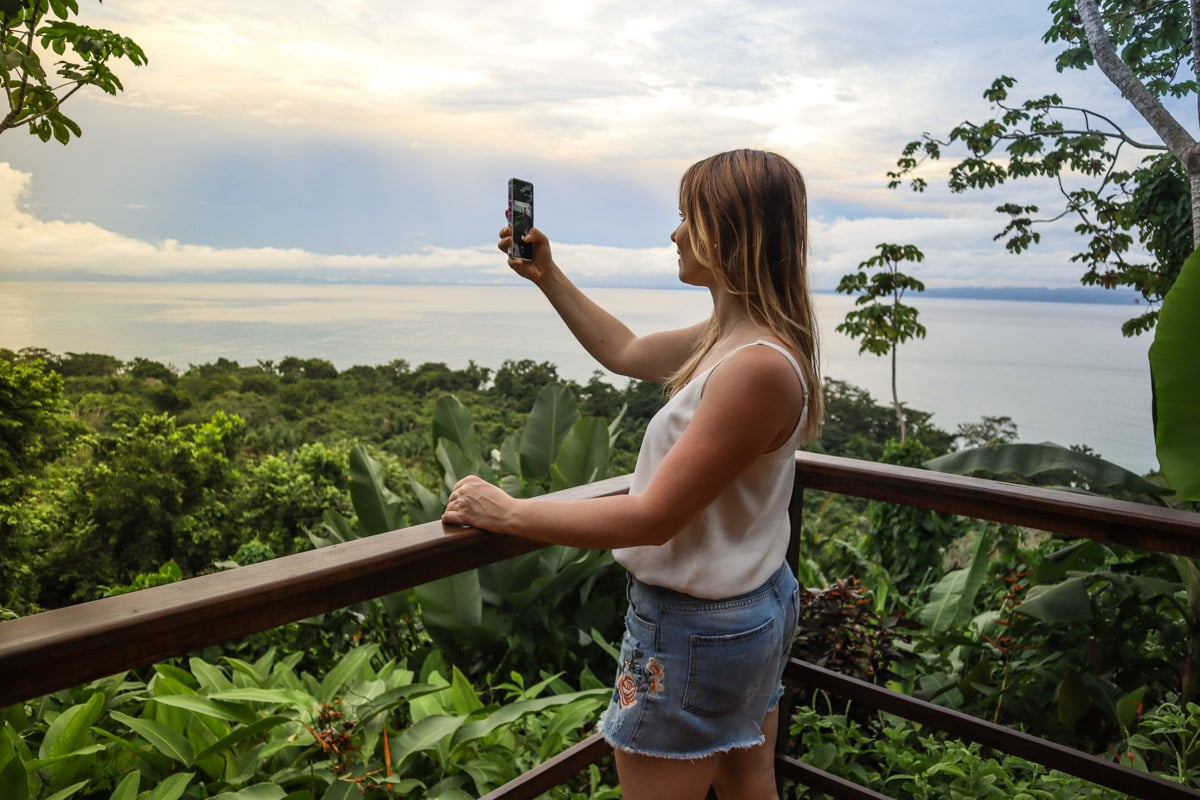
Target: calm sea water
(1062,371)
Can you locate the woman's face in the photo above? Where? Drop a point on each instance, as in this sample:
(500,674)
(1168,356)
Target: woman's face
(691,271)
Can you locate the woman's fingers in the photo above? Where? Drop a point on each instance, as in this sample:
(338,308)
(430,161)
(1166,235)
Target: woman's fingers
(459,505)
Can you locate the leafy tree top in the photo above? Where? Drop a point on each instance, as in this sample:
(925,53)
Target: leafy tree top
(1146,48)
(34,32)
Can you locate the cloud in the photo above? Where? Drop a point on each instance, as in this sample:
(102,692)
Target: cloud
(960,254)
(588,80)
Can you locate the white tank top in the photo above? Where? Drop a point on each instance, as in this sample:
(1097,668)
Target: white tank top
(737,542)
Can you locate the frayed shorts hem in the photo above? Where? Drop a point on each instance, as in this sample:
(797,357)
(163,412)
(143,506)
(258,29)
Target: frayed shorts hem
(696,756)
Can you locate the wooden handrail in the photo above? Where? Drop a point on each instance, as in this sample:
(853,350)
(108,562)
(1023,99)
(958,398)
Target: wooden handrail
(68,646)
(1163,530)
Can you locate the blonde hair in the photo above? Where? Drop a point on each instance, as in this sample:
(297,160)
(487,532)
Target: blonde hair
(747,215)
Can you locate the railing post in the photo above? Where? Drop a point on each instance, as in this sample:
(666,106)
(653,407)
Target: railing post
(796,519)
(788,700)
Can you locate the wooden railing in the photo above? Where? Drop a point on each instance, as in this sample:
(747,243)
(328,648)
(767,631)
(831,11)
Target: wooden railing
(66,647)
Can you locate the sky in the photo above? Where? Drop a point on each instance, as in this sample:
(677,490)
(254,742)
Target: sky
(348,140)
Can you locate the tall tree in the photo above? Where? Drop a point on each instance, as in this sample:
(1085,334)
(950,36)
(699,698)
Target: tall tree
(879,320)
(1148,50)
(31,432)
(33,29)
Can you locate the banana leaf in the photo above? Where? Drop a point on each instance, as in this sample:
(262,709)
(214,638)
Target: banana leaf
(583,455)
(452,420)
(1031,460)
(1059,603)
(1175,381)
(952,599)
(378,509)
(553,415)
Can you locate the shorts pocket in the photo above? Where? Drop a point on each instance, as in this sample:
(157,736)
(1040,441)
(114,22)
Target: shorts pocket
(724,672)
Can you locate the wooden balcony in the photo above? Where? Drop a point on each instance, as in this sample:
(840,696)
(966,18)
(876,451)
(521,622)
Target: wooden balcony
(70,646)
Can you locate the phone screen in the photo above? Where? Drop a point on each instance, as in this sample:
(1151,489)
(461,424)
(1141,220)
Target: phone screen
(520,216)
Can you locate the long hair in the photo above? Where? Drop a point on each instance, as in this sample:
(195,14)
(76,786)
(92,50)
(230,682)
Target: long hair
(747,214)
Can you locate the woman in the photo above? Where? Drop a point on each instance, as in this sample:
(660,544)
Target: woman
(703,531)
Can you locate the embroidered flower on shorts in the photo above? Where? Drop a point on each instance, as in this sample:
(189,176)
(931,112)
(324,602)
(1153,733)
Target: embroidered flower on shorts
(655,668)
(627,690)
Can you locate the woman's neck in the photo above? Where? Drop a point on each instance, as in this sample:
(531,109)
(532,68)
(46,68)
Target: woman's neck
(734,322)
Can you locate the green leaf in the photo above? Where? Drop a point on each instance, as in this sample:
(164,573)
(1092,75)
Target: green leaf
(128,788)
(506,715)
(242,733)
(63,794)
(452,421)
(952,599)
(463,697)
(229,712)
(553,414)
(424,735)
(14,777)
(429,504)
(379,510)
(391,699)
(1032,460)
(1072,700)
(1175,379)
(74,759)
(452,602)
(169,742)
(510,456)
(822,756)
(455,463)
(259,791)
(1128,707)
(583,455)
(567,719)
(172,788)
(350,667)
(290,698)
(1067,601)
(71,728)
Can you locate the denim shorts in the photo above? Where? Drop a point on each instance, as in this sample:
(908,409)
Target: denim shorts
(696,677)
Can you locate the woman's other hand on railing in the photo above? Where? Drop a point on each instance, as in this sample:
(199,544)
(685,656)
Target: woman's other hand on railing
(475,503)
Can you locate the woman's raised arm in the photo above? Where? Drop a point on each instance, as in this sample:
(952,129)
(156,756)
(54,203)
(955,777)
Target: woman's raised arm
(651,357)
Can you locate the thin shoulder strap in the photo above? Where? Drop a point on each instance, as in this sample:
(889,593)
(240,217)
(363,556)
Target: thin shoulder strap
(786,354)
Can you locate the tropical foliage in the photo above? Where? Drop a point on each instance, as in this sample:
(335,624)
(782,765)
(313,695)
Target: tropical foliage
(1124,209)
(456,686)
(1175,375)
(264,730)
(31,30)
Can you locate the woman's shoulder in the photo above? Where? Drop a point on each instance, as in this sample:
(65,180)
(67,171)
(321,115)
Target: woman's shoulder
(760,365)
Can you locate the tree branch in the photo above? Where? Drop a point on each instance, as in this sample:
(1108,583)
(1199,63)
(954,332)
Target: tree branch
(1174,135)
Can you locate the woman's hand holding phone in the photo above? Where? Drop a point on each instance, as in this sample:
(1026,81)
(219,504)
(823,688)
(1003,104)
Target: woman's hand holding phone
(542,264)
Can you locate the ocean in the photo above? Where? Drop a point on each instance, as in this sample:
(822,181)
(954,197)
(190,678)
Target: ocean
(1061,371)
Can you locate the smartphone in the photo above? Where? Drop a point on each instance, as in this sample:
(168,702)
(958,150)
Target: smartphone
(520,216)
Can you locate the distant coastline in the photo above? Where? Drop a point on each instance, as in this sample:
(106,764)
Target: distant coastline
(1036,294)
(1025,294)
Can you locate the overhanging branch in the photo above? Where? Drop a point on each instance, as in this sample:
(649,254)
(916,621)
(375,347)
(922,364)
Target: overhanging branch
(1174,135)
